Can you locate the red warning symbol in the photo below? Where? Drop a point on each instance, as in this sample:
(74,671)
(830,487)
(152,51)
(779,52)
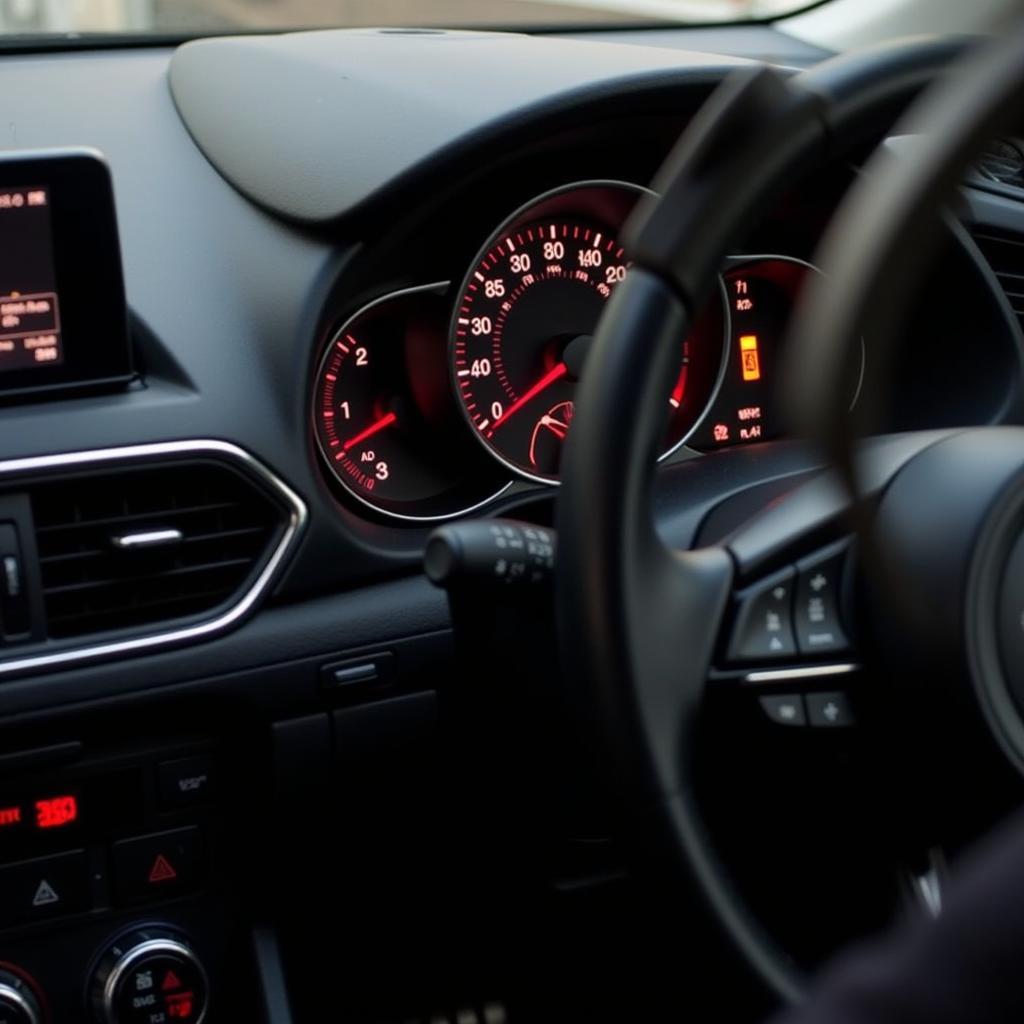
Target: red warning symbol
(162,870)
(171,980)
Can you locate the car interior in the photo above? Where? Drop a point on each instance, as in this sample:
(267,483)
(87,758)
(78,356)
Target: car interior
(384,642)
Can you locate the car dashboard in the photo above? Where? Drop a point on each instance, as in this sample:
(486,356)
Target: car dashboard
(361,271)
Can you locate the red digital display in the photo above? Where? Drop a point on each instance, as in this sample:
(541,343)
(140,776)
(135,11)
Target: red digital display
(56,811)
(10,816)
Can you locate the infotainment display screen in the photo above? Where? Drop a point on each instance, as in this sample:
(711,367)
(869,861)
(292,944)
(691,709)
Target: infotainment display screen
(63,315)
(29,304)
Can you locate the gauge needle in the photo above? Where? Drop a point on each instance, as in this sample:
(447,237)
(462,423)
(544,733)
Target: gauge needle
(680,388)
(374,428)
(556,372)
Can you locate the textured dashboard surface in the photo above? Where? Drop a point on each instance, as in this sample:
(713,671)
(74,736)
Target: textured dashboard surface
(310,125)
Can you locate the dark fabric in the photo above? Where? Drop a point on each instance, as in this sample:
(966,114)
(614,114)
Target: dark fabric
(967,967)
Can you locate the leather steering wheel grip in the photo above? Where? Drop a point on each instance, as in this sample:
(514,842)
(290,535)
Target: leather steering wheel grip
(638,623)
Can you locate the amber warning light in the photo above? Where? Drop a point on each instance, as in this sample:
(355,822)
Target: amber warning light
(750,360)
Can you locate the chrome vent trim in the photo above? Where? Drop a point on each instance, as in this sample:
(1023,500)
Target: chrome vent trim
(148,539)
(66,657)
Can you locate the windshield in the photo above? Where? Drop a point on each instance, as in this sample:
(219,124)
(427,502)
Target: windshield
(193,17)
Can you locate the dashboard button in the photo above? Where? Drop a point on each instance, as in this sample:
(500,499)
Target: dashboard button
(830,711)
(816,617)
(151,976)
(784,709)
(36,890)
(355,676)
(157,867)
(764,624)
(186,782)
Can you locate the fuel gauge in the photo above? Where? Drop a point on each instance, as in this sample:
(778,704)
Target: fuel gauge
(762,293)
(383,415)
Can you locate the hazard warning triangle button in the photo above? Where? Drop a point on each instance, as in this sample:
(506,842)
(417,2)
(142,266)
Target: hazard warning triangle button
(45,895)
(171,981)
(47,887)
(156,867)
(162,870)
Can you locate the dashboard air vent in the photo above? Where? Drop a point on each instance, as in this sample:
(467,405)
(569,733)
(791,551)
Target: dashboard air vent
(1005,255)
(1003,163)
(126,548)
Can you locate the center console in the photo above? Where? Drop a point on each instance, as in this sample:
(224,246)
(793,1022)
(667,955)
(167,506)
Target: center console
(116,883)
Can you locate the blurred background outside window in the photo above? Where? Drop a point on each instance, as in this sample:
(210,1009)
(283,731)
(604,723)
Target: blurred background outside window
(199,16)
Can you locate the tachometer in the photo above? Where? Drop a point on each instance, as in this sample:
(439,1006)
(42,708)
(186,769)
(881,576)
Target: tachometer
(383,416)
(524,324)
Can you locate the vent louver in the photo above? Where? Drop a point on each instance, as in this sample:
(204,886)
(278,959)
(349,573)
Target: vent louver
(1005,255)
(1003,163)
(132,547)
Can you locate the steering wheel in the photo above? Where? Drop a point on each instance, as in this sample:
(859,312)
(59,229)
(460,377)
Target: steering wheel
(640,625)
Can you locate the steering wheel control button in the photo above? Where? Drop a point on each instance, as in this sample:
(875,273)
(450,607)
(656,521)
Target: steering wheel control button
(785,709)
(187,782)
(150,977)
(37,890)
(830,711)
(19,1003)
(816,617)
(764,623)
(157,867)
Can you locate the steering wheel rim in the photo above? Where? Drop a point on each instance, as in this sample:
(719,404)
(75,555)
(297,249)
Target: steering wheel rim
(638,623)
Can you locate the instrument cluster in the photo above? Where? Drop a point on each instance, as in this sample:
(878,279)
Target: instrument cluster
(431,401)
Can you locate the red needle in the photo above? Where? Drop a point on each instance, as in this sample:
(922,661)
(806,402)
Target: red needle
(556,372)
(680,388)
(381,424)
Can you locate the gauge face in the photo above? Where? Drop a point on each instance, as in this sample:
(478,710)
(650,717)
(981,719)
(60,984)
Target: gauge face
(524,325)
(359,420)
(762,293)
(383,415)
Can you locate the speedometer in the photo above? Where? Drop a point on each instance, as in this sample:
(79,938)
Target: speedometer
(524,324)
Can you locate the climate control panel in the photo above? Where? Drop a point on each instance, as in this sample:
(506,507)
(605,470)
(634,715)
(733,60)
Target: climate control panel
(115,833)
(149,974)
(119,868)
